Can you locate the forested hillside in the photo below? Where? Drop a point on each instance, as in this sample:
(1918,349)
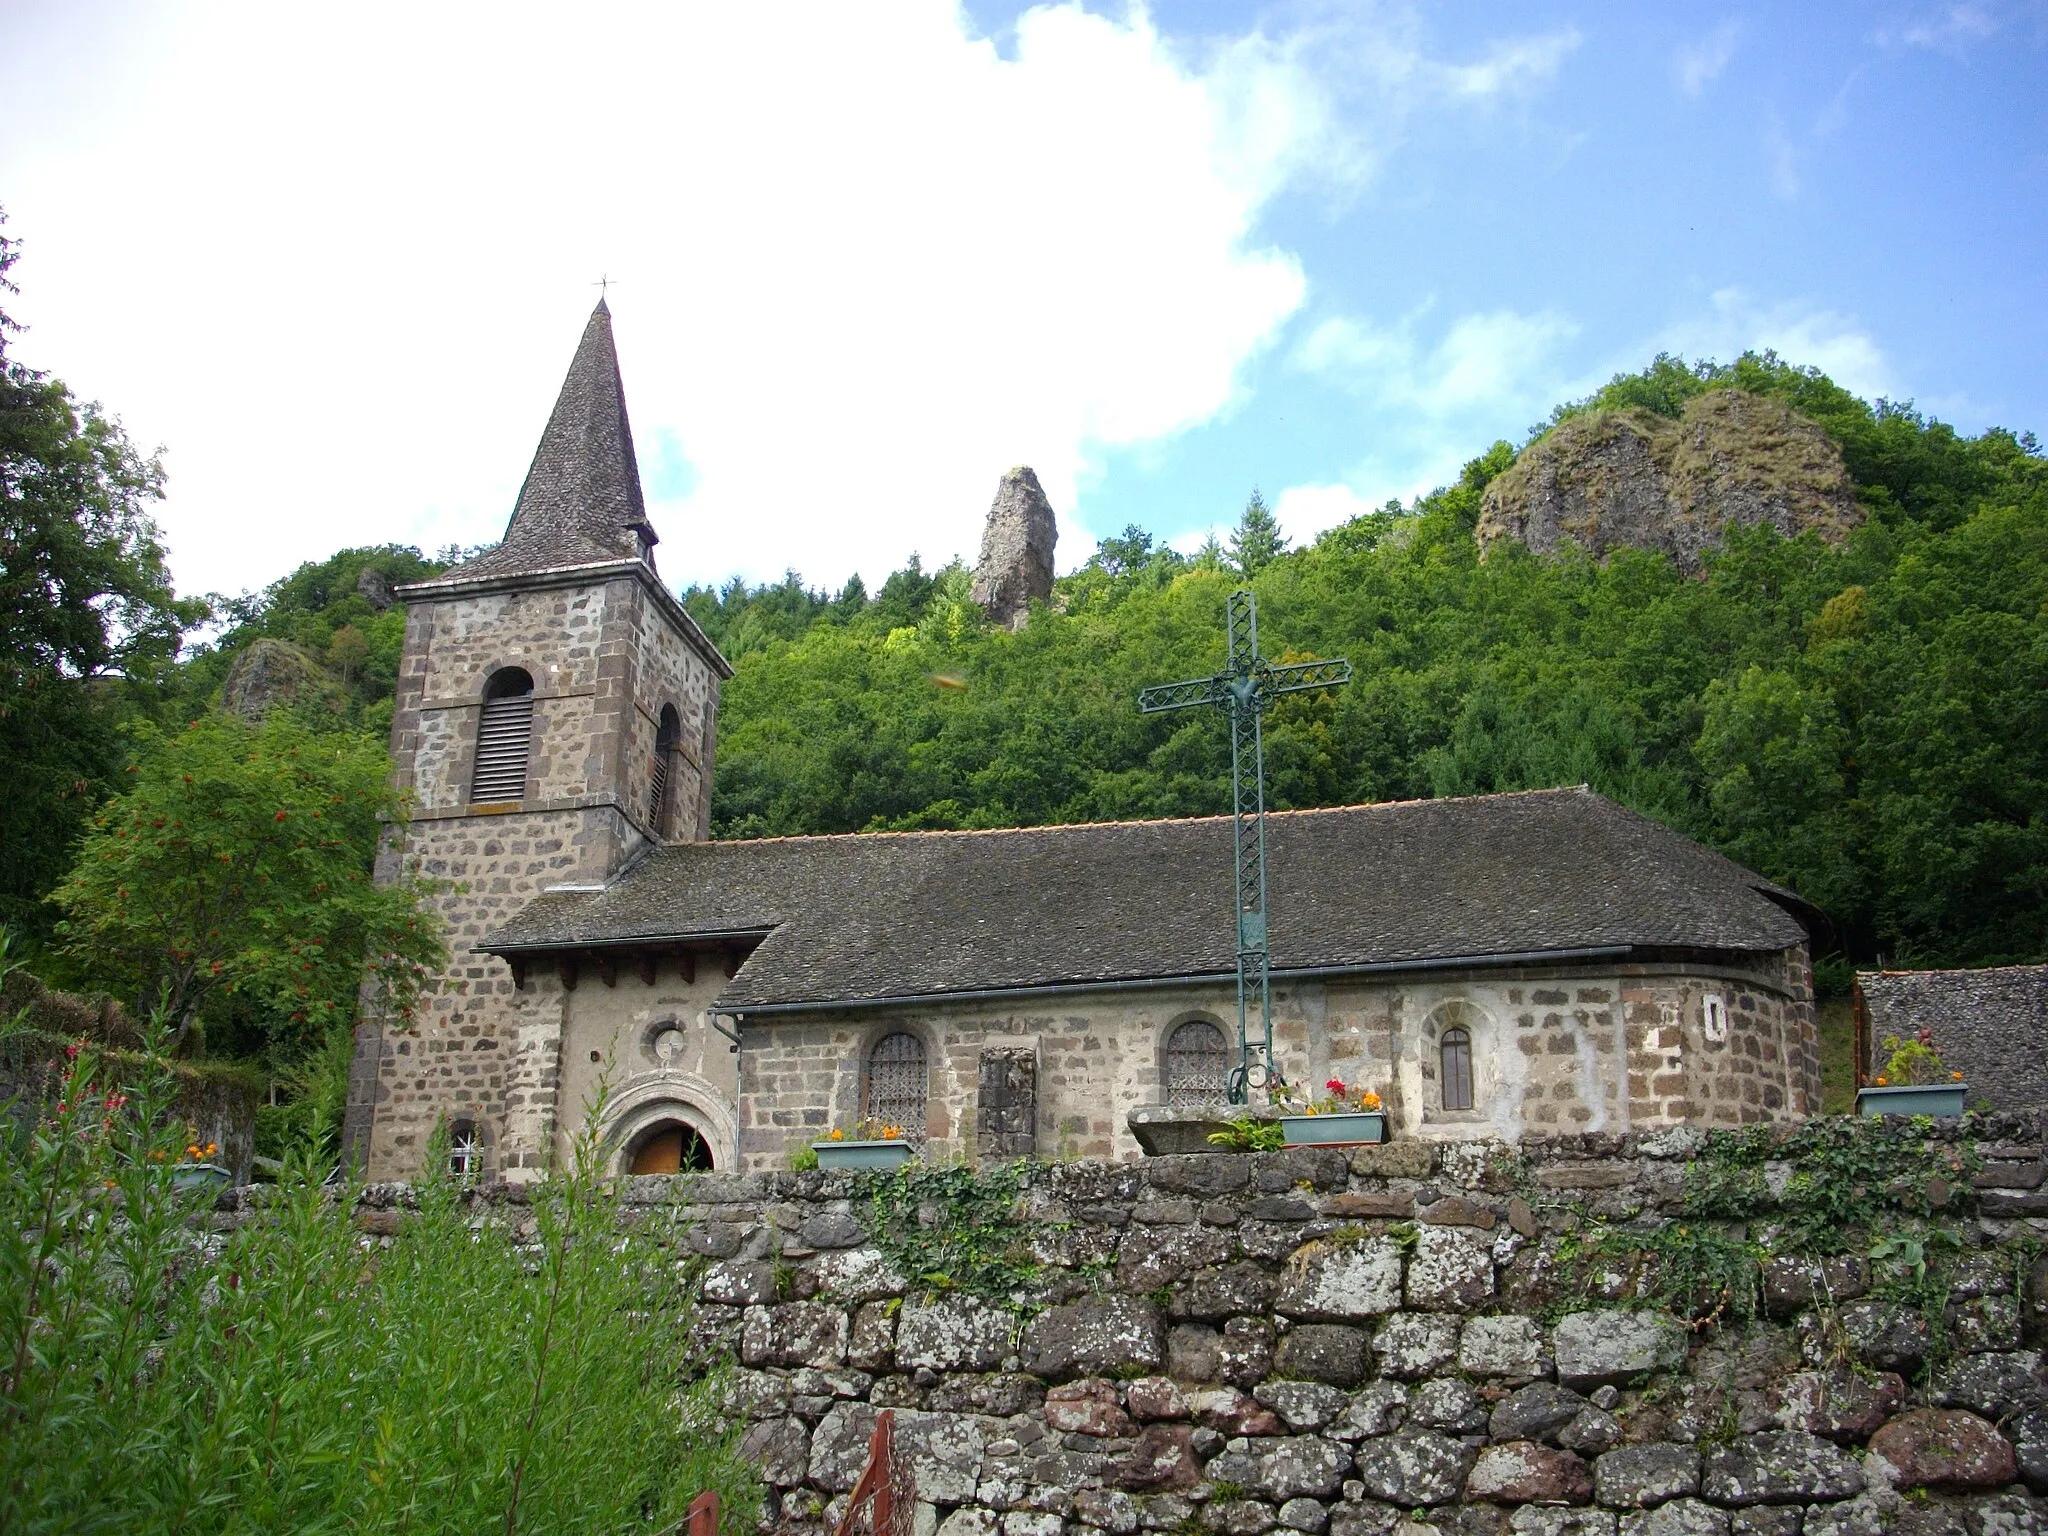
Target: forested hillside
(1864,719)
(1867,722)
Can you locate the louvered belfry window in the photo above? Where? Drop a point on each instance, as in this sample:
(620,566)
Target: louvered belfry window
(1455,1055)
(896,1084)
(504,736)
(657,785)
(1197,1061)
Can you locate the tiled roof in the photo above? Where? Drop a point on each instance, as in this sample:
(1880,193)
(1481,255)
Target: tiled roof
(581,503)
(1991,1025)
(888,915)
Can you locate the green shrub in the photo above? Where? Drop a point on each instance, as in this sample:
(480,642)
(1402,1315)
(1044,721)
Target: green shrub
(1245,1134)
(297,1375)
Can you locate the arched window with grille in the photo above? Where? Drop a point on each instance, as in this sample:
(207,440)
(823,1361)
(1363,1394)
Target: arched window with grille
(895,1093)
(465,1150)
(1454,1061)
(504,737)
(1197,1063)
(665,739)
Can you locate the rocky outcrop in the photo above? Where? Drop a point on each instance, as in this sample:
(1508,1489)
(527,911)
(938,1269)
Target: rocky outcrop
(1613,479)
(266,674)
(1016,550)
(374,587)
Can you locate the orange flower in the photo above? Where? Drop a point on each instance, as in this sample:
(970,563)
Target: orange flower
(1882,1082)
(1955,1077)
(835,1134)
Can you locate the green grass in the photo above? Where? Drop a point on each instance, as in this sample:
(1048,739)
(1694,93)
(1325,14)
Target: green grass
(1837,1022)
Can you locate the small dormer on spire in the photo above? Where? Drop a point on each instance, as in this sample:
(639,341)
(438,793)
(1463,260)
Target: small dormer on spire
(581,503)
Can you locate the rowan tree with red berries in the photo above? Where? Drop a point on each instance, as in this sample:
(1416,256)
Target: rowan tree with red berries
(238,862)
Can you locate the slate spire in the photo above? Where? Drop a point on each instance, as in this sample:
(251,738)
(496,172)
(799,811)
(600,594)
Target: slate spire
(581,502)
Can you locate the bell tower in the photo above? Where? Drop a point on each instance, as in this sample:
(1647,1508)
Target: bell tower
(555,716)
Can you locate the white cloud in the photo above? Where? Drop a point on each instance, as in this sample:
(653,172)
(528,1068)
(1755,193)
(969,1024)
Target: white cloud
(1700,64)
(1781,159)
(1735,322)
(1480,362)
(1433,400)
(1945,29)
(1511,65)
(866,263)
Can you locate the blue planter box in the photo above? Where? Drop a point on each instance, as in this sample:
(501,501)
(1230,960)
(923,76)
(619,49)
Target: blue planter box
(200,1176)
(1935,1099)
(1349,1130)
(861,1154)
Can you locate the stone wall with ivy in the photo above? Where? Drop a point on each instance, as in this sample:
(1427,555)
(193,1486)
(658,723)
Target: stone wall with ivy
(1820,1331)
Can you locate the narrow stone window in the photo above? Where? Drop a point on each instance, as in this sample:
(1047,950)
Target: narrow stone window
(504,737)
(665,740)
(1197,1063)
(1454,1054)
(896,1084)
(465,1150)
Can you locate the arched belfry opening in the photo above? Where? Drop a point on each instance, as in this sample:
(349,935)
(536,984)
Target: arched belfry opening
(504,737)
(660,783)
(669,1146)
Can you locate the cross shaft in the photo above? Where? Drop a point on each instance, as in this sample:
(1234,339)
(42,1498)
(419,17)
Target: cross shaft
(1245,691)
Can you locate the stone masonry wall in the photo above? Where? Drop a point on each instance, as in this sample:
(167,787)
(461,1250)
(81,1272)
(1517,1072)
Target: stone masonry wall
(1383,1342)
(604,660)
(1554,1049)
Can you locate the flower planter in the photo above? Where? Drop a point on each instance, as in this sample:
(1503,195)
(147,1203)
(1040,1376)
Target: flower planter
(1933,1099)
(862,1154)
(210,1177)
(1343,1130)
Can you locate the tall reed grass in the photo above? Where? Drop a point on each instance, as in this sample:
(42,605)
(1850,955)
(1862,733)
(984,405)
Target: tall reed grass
(293,1374)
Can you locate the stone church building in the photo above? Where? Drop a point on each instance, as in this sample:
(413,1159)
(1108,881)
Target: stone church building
(1546,960)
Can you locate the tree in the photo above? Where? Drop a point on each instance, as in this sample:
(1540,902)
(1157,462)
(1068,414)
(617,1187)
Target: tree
(1257,541)
(84,598)
(238,862)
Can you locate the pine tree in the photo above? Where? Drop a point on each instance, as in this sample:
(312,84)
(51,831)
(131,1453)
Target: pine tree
(1257,541)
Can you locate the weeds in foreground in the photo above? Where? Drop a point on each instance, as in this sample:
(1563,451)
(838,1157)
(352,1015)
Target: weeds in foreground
(295,1375)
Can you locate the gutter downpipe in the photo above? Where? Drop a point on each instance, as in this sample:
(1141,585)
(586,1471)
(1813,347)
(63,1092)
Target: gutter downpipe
(1143,983)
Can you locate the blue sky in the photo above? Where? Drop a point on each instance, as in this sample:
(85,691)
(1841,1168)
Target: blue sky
(1867,189)
(870,256)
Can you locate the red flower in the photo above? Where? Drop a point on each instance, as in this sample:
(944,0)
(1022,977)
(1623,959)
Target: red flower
(280,816)
(1335,1085)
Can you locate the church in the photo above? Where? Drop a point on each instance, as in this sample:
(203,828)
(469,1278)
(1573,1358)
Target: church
(1528,963)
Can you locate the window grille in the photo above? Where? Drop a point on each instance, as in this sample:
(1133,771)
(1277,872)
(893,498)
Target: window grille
(896,1084)
(1455,1053)
(1197,1064)
(504,735)
(465,1150)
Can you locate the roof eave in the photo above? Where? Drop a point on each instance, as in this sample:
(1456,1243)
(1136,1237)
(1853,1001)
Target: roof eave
(507,947)
(1193,978)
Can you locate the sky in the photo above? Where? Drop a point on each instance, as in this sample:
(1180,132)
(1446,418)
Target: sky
(866,257)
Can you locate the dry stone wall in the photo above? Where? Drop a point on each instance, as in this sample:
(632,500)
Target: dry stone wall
(1384,1340)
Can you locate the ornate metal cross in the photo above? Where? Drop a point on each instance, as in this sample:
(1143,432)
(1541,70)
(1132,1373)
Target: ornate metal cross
(1245,691)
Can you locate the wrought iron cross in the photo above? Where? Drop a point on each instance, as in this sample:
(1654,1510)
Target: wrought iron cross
(1245,691)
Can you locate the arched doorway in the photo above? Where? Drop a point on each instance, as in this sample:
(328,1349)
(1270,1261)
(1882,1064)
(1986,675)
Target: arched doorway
(669,1147)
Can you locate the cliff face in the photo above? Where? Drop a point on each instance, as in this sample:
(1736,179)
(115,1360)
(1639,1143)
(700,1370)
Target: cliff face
(1630,478)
